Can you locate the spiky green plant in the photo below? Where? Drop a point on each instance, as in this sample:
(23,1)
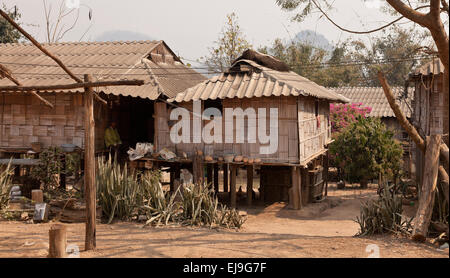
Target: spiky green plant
(117,189)
(5,185)
(159,206)
(383,215)
(201,207)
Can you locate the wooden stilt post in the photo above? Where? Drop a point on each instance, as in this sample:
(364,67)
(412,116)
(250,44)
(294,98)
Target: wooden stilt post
(233,186)
(216,178)
(326,160)
(172,179)
(226,170)
(57,241)
(89,167)
(249,184)
(209,175)
(197,168)
(295,188)
(426,201)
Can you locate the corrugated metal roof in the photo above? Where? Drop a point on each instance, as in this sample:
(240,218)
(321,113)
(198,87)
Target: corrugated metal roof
(104,61)
(259,81)
(433,67)
(374,97)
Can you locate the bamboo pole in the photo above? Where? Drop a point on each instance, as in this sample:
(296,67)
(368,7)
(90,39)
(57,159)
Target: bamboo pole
(20,88)
(8,75)
(89,166)
(423,215)
(39,46)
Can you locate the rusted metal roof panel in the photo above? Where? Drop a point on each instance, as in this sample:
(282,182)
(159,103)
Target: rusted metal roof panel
(256,83)
(104,61)
(374,97)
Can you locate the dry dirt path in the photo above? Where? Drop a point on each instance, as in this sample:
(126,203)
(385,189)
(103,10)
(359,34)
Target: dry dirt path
(269,232)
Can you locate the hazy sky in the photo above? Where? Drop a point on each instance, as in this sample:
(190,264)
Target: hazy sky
(189,27)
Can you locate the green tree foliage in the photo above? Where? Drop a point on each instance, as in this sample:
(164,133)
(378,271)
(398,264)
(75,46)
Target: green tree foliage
(355,62)
(228,47)
(366,148)
(8,34)
(394,52)
(315,63)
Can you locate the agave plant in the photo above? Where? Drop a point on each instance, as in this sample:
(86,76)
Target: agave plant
(201,207)
(117,189)
(5,185)
(383,215)
(159,206)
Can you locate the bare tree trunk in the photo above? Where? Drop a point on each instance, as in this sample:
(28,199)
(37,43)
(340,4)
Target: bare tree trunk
(426,201)
(399,114)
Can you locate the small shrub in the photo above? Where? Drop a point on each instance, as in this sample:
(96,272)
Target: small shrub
(49,167)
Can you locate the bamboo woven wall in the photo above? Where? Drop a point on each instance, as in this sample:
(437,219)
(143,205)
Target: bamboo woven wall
(288,129)
(24,120)
(315,131)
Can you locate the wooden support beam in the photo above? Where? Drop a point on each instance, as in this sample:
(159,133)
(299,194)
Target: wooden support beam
(20,88)
(233,186)
(209,175)
(5,72)
(249,184)
(39,46)
(326,160)
(426,201)
(89,166)
(197,168)
(57,241)
(226,170)
(294,199)
(216,178)
(304,186)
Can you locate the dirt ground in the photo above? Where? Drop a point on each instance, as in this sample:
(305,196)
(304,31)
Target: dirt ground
(323,229)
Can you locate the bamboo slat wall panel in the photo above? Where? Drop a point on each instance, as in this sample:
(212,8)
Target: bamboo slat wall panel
(287,131)
(314,131)
(25,120)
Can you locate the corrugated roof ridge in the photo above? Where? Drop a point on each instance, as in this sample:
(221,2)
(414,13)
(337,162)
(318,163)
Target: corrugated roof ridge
(84,43)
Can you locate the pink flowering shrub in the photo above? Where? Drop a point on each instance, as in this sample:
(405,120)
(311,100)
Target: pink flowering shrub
(342,115)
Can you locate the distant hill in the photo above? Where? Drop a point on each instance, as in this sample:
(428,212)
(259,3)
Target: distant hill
(314,39)
(122,35)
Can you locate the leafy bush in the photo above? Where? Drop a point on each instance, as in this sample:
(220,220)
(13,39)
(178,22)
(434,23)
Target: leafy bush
(383,215)
(366,148)
(5,186)
(49,167)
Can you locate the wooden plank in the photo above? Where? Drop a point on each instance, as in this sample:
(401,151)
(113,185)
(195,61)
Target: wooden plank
(226,170)
(89,167)
(249,184)
(233,186)
(216,178)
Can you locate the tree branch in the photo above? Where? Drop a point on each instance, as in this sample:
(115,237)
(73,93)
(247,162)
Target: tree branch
(362,32)
(409,13)
(399,114)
